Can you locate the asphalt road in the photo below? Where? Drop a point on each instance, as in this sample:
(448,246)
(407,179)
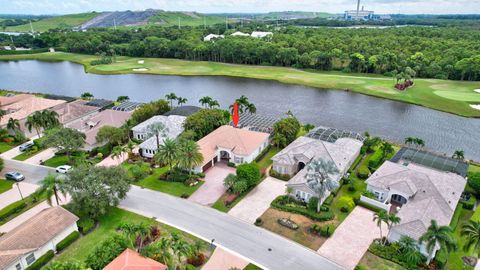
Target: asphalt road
(33,173)
(260,246)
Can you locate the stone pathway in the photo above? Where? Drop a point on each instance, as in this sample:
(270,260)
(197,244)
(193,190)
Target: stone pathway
(258,200)
(224,260)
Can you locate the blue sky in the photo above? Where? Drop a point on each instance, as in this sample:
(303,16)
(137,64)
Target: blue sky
(333,6)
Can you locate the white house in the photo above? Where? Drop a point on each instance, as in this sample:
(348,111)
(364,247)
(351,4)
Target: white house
(211,37)
(240,34)
(257,34)
(230,144)
(295,157)
(418,193)
(173,125)
(26,243)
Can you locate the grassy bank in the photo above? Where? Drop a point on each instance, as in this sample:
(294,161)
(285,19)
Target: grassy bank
(449,96)
(63,22)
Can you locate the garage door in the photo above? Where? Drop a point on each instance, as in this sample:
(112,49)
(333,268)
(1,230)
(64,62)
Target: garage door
(208,165)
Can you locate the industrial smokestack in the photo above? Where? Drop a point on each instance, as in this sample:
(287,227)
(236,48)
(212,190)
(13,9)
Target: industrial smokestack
(358,8)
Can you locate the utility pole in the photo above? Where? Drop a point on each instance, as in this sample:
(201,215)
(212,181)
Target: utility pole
(21,195)
(31,26)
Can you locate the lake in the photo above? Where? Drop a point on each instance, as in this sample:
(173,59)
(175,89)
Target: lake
(393,120)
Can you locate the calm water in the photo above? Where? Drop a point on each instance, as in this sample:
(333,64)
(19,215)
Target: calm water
(345,110)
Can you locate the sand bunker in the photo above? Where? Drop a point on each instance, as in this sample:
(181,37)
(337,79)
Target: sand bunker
(141,61)
(477,90)
(140,69)
(476,107)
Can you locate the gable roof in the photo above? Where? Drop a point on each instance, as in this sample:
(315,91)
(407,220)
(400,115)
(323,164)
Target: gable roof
(34,233)
(174,123)
(131,260)
(70,111)
(241,142)
(434,194)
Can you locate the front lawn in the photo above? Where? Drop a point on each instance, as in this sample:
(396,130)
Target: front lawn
(373,262)
(4,147)
(5,185)
(17,208)
(344,191)
(153,182)
(265,160)
(474,168)
(27,154)
(107,227)
(251,266)
(57,160)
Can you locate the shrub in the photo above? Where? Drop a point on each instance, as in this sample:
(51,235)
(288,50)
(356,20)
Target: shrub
(11,209)
(231,164)
(85,225)
(351,188)
(284,177)
(2,164)
(67,241)
(184,196)
(390,252)
(474,181)
(249,172)
(240,187)
(324,208)
(197,260)
(258,222)
(190,267)
(42,261)
(346,204)
(363,172)
(329,200)
(360,267)
(312,204)
(375,160)
(327,230)
(106,251)
(369,207)
(369,194)
(469,204)
(280,203)
(315,228)
(139,170)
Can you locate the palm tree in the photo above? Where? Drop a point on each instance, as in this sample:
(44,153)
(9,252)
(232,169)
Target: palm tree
(13,124)
(167,153)
(86,95)
(409,140)
(159,251)
(33,122)
(392,219)
(158,130)
(129,230)
(118,151)
(381,217)
(122,99)
(181,100)
(171,97)
(437,237)
(189,155)
(142,232)
(419,142)
(213,104)
(459,154)
(387,149)
(251,108)
(205,101)
(180,248)
(471,231)
(49,119)
(52,185)
(409,251)
(279,140)
(2,114)
(318,178)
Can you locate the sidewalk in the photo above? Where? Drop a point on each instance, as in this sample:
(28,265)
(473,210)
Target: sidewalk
(42,156)
(110,161)
(223,260)
(13,195)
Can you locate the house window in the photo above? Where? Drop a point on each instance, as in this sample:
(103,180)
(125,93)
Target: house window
(238,160)
(18,266)
(30,258)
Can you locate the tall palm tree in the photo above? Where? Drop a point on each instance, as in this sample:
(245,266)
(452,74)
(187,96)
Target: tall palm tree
(181,100)
(459,154)
(387,149)
(158,130)
(380,218)
(189,155)
(2,114)
(49,118)
(171,97)
(471,231)
(13,124)
(142,232)
(419,142)
(159,251)
(205,101)
(213,104)
(437,237)
(118,151)
(409,251)
(319,179)
(33,122)
(52,186)
(180,248)
(392,219)
(250,107)
(129,230)
(409,140)
(167,153)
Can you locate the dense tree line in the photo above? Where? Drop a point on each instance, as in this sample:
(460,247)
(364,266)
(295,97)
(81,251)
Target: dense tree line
(446,53)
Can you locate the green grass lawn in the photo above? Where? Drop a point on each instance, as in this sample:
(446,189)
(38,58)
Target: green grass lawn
(64,22)
(425,92)
(5,185)
(474,168)
(57,160)
(4,147)
(173,188)
(29,202)
(373,262)
(186,19)
(251,266)
(27,154)
(461,217)
(108,224)
(266,161)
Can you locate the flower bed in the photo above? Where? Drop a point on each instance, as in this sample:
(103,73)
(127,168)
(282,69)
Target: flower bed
(285,203)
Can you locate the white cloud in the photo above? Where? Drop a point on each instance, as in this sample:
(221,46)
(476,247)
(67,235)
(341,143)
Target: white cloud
(379,6)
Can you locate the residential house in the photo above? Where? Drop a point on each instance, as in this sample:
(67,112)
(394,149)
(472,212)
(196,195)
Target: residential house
(230,144)
(257,34)
(92,124)
(131,260)
(240,34)
(23,245)
(295,157)
(173,125)
(418,192)
(74,111)
(212,37)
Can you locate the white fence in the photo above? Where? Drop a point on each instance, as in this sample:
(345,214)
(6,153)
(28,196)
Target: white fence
(375,203)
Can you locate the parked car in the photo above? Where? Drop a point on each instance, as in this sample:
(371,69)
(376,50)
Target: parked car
(26,146)
(15,176)
(63,169)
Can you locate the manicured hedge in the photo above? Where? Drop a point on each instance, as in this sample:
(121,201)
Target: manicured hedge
(85,225)
(11,209)
(280,203)
(470,203)
(67,241)
(9,52)
(375,160)
(389,252)
(369,207)
(284,177)
(42,261)
(363,172)
(329,200)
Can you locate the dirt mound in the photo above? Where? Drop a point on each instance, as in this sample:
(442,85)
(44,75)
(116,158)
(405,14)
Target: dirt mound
(127,18)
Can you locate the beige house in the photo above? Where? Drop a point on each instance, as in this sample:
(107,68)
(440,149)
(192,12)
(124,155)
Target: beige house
(231,145)
(74,111)
(26,243)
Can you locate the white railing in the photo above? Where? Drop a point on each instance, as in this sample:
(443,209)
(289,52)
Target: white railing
(375,203)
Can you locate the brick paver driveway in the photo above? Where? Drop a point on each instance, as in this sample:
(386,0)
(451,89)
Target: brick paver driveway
(352,238)
(224,260)
(213,187)
(258,200)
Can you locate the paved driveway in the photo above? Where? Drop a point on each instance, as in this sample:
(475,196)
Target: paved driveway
(258,200)
(224,260)
(213,187)
(352,238)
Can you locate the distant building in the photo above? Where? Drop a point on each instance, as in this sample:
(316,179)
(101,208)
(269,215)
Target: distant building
(211,37)
(240,34)
(359,15)
(257,34)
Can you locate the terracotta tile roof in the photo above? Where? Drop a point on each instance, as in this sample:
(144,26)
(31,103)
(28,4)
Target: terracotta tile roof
(131,260)
(34,233)
(22,105)
(92,124)
(242,142)
(70,111)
